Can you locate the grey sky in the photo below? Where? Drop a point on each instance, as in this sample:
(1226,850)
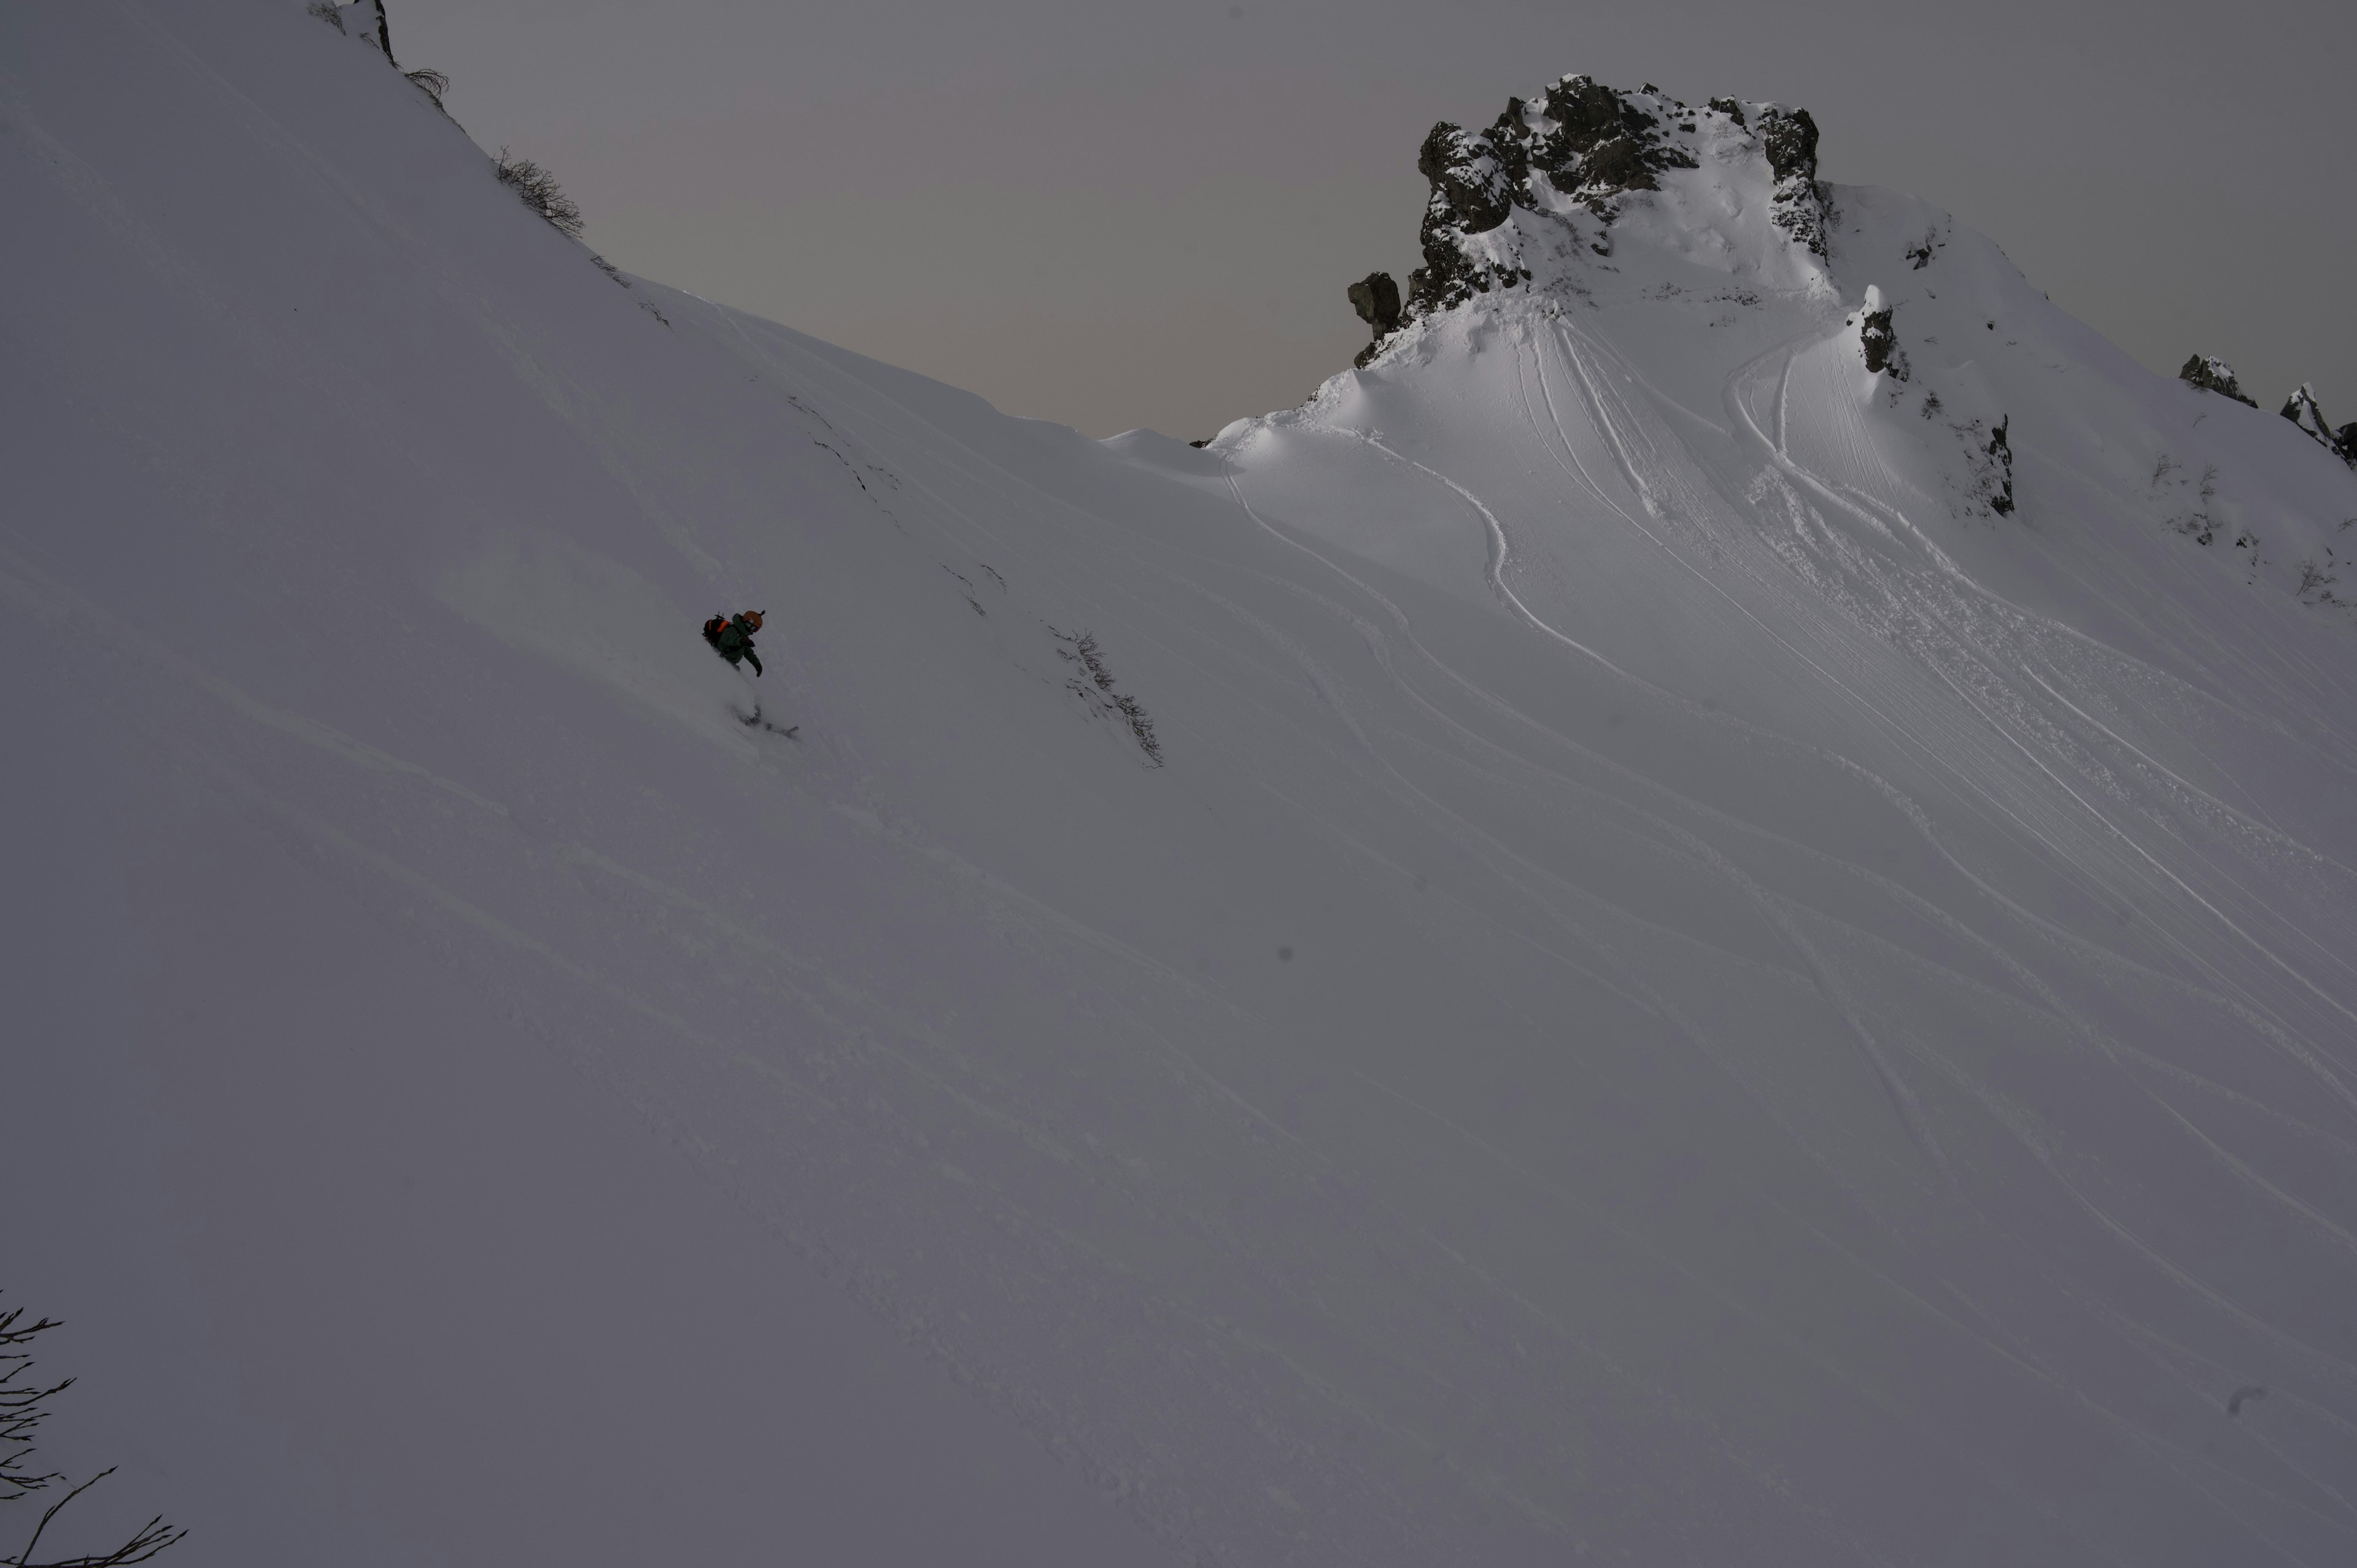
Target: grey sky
(1113,214)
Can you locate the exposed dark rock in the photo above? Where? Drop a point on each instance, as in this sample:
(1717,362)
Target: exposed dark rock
(1585,112)
(2213,374)
(1601,145)
(369,14)
(1465,171)
(1449,275)
(1790,136)
(1617,165)
(1509,142)
(1881,344)
(1587,142)
(2001,450)
(1376,298)
(1471,195)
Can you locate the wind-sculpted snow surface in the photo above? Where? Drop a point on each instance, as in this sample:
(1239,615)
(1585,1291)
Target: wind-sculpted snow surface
(1689,990)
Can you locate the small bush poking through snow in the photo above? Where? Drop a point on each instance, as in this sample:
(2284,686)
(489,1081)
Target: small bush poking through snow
(328,11)
(1082,648)
(434,84)
(2316,582)
(539,191)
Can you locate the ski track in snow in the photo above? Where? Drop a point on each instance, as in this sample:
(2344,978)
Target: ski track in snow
(1502,558)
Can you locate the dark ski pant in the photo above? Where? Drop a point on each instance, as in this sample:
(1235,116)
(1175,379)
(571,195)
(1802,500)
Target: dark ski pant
(733,651)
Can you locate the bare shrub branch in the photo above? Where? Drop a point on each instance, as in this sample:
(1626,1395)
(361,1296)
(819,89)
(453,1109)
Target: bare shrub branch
(538,189)
(1081,648)
(2315,578)
(21,1410)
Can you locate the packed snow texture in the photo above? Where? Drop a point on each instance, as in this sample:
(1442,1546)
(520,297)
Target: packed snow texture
(1688,989)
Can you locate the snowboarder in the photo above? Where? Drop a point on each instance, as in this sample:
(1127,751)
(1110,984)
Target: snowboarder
(732,637)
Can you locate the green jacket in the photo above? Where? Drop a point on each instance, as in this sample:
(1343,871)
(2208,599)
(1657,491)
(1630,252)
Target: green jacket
(736,640)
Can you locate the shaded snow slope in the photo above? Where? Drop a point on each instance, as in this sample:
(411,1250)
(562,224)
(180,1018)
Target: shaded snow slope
(1685,990)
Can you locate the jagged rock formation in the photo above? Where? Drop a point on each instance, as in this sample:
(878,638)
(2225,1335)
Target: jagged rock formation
(369,13)
(1790,137)
(2301,409)
(1471,194)
(1376,298)
(1583,147)
(1597,143)
(2213,374)
(2000,453)
(1879,343)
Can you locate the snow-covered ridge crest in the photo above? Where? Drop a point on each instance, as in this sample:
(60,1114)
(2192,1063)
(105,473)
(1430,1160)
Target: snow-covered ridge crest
(1600,264)
(1529,200)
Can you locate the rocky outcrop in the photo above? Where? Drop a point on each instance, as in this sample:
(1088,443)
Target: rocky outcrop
(1790,136)
(1881,344)
(2000,453)
(1585,144)
(1597,143)
(1474,192)
(1376,298)
(1468,178)
(2212,374)
(2302,410)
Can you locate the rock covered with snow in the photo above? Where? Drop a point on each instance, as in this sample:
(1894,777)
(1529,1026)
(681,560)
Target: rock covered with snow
(1877,343)
(1898,359)
(2301,409)
(1522,201)
(2211,373)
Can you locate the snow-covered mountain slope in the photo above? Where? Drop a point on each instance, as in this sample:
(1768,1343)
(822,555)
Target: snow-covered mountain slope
(1683,988)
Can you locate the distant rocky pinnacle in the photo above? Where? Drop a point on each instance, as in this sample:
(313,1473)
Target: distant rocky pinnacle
(1586,144)
(2213,374)
(2302,410)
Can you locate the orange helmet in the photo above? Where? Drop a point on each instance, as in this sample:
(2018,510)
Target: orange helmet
(753,620)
